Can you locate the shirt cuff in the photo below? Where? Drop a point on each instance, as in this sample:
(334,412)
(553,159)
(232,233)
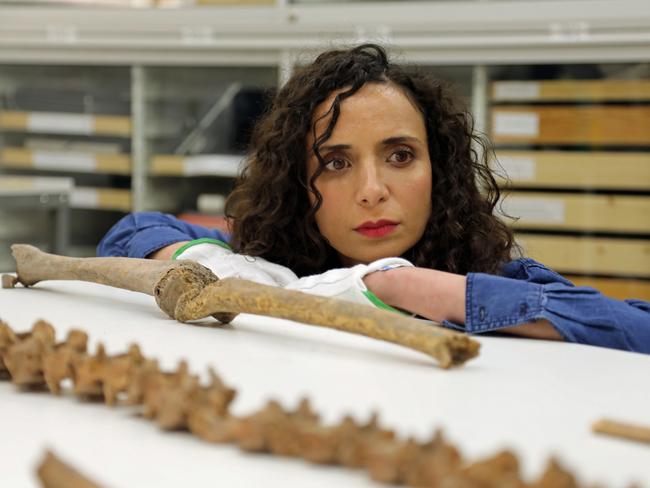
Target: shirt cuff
(153,238)
(493,302)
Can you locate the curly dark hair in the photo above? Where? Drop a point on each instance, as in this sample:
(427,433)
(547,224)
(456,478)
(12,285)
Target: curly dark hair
(270,211)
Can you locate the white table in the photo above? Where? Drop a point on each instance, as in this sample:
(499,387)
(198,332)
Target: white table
(536,397)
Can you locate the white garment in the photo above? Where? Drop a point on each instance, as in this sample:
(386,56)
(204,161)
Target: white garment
(217,256)
(347,283)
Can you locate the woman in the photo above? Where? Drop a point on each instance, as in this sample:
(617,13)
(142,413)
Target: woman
(363,180)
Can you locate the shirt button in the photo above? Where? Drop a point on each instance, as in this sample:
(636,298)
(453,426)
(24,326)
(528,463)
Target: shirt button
(481,313)
(523,308)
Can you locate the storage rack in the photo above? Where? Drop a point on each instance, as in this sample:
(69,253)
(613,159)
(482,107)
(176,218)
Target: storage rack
(472,35)
(577,153)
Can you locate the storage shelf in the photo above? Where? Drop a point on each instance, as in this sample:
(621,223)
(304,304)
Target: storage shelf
(226,165)
(66,123)
(564,169)
(427,32)
(571,90)
(582,212)
(101,198)
(589,255)
(69,161)
(594,125)
(18,185)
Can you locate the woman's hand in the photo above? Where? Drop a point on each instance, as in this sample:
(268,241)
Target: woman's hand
(438,296)
(430,293)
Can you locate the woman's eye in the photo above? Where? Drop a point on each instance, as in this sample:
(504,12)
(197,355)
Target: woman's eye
(336,164)
(402,156)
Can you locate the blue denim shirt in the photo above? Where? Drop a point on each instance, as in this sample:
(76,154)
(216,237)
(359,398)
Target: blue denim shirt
(524,291)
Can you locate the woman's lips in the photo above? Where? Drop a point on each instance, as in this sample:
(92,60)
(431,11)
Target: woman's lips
(380,229)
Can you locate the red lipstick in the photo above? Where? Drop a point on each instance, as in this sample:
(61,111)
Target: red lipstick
(379,228)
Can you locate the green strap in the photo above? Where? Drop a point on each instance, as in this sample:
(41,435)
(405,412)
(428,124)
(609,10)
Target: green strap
(203,240)
(376,301)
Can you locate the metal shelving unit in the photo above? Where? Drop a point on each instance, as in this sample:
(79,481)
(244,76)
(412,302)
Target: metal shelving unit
(461,40)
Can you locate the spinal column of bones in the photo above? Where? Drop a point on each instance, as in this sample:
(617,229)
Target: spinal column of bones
(177,400)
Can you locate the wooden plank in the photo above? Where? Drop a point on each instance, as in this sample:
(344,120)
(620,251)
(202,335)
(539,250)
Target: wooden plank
(65,123)
(582,212)
(13,120)
(571,90)
(16,157)
(73,161)
(235,2)
(114,199)
(101,198)
(614,287)
(113,163)
(594,125)
(589,255)
(565,169)
(196,165)
(113,125)
(167,165)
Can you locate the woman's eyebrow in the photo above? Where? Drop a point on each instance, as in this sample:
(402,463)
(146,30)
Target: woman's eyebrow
(400,140)
(385,142)
(335,147)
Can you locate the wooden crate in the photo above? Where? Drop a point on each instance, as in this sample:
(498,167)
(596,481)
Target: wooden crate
(589,255)
(571,90)
(567,169)
(579,212)
(614,125)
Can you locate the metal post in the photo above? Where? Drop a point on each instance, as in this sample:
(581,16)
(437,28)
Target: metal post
(62,224)
(139,153)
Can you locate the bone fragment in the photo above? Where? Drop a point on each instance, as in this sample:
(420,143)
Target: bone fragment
(188,291)
(58,364)
(24,358)
(54,473)
(623,430)
(177,400)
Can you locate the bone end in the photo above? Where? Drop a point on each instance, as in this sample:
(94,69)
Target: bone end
(9,281)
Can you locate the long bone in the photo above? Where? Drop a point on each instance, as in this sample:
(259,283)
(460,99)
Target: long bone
(187,291)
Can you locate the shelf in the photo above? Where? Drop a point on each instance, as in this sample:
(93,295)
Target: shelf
(460,32)
(70,161)
(614,125)
(616,288)
(589,255)
(564,169)
(101,199)
(570,90)
(20,185)
(226,165)
(580,212)
(234,2)
(65,123)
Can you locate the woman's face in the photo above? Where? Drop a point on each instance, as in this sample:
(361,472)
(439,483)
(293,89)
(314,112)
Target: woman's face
(376,187)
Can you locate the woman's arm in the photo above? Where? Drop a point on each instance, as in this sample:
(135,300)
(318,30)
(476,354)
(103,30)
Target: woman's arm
(144,234)
(440,296)
(167,252)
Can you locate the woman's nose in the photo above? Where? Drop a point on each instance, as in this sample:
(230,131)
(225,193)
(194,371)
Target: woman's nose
(371,187)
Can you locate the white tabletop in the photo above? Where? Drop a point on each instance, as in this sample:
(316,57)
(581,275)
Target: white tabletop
(539,398)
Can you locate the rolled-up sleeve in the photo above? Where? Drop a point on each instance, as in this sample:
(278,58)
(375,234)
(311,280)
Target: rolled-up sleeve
(579,314)
(139,234)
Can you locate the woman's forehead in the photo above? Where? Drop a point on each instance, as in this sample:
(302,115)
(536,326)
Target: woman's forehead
(374,106)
